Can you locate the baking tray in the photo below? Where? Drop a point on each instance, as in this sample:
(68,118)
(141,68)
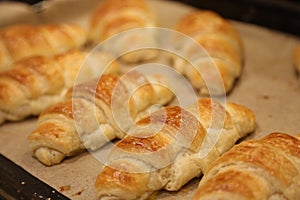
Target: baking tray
(268,85)
(17,183)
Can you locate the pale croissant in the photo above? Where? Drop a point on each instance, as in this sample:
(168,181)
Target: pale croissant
(268,168)
(170,147)
(215,50)
(116,16)
(19,41)
(297,58)
(96,113)
(34,83)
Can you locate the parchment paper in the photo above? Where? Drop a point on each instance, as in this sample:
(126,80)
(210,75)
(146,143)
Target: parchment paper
(268,85)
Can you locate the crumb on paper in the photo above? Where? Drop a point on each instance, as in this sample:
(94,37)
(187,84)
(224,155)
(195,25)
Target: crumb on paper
(78,193)
(266,97)
(64,188)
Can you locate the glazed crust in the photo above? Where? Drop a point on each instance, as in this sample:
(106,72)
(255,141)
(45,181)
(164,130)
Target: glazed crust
(219,52)
(256,169)
(95,113)
(19,41)
(34,83)
(116,16)
(170,147)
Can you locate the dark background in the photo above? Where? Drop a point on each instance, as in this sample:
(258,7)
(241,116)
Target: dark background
(282,15)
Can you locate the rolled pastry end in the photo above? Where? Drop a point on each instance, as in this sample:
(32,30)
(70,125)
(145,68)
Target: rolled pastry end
(48,156)
(123,180)
(243,118)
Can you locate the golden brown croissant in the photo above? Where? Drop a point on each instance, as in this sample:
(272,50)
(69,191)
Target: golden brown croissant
(216,53)
(34,83)
(19,41)
(170,147)
(115,16)
(297,58)
(268,168)
(94,114)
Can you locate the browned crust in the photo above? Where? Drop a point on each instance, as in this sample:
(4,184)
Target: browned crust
(6,97)
(143,145)
(114,7)
(48,129)
(105,87)
(25,36)
(217,47)
(270,156)
(229,181)
(240,183)
(205,21)
(64,108)
(56,135)
(122,180)
(255,153)
(35,76)
(170,116)
(223,44)
(101,89)
(32,72)
(20,41)
(174,122)
(212,113)
(286,143)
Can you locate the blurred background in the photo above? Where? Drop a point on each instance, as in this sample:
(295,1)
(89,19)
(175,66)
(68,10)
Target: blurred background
(282,15)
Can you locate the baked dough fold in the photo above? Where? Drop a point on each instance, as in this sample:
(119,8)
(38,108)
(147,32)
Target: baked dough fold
(170,147)
(20,41)
(36,82)
(95,113)
(213,56)
(267,168)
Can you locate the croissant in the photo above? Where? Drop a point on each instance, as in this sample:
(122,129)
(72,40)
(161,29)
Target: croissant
(95,113)
(297,58)
(34,83)
(19,41)
(115,16)
(170,147)
(215,52)
(256,169)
